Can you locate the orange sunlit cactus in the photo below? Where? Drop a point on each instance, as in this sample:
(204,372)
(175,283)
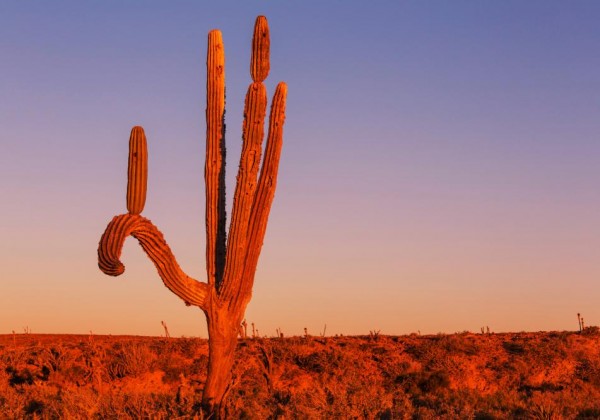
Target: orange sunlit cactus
(230,263)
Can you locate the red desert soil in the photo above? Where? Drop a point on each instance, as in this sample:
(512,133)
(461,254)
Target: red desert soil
(545,375)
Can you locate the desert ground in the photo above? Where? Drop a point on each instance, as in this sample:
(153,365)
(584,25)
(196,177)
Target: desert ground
(543,375)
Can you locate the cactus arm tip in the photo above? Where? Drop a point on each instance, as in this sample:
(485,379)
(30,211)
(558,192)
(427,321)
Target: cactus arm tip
(137,171)
(261,43)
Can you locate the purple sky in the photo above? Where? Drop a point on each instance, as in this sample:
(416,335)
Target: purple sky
(440,167)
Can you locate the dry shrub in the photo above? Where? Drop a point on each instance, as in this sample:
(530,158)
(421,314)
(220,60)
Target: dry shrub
(188,346)
(174,366)
(460,344)
(588,370)
(130,359)
(513,348)
(556,374)
(591,331)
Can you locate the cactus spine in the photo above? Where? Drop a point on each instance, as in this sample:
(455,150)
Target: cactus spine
(230,264)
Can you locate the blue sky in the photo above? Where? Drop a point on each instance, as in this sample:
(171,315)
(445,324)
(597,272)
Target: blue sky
(439,172)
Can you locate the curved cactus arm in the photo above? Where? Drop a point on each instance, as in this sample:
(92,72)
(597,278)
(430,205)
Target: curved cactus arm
(152,241)
(263,198)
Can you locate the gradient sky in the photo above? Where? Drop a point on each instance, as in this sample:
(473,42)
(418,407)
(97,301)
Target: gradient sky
(440,168)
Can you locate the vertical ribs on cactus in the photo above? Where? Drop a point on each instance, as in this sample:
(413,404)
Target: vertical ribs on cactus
(137,171)
(230,263)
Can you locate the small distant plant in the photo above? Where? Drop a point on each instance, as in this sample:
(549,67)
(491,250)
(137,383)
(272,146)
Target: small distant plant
(581,323)
(374,334)
(244,329)
(164,324)
(267,363)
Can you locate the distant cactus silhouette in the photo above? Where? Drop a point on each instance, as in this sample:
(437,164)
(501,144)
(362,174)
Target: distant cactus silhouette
(230,263)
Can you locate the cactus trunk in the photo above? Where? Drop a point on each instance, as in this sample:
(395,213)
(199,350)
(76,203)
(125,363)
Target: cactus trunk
(230,265)
(223,329)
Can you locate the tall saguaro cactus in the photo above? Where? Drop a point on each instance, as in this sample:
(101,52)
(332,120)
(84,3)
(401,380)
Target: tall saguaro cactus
(231,263)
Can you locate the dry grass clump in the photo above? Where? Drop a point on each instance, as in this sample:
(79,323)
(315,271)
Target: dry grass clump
(491,376)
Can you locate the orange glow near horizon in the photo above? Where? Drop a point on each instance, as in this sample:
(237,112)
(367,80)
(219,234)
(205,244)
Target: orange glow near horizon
(439,170)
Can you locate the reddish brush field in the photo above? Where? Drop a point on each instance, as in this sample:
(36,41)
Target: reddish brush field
(546,375)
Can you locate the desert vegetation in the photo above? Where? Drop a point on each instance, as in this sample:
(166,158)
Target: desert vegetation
(230,261)
(546,375)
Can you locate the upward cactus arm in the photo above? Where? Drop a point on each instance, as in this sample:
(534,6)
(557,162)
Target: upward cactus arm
(253,133)
(252,136)
(214,169)
(261,45)
(137,171)
(268,178)
(152,241)
(265,193)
